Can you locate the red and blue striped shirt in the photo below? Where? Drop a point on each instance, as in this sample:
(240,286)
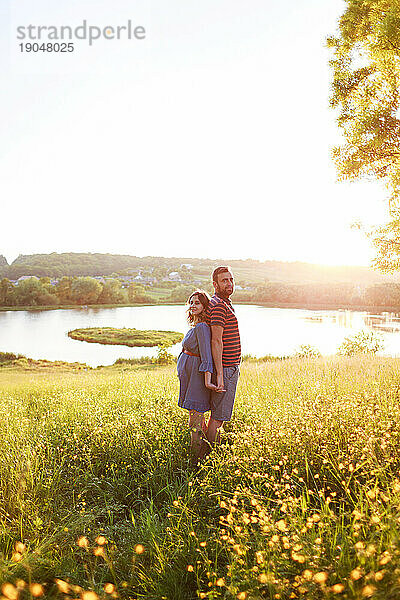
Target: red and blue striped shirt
(221,312)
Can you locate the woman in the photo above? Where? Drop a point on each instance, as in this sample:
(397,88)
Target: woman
(195,366)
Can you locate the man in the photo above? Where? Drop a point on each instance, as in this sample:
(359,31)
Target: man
(226,351)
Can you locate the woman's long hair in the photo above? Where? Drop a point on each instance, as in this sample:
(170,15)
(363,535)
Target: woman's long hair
(204,299)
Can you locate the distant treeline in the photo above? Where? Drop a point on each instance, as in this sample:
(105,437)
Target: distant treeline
(334,294)
(69,291)
(80,291)
(248,271)
(74,264)
(87,290)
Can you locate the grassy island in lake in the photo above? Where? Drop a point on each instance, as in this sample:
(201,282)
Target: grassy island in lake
(125,336)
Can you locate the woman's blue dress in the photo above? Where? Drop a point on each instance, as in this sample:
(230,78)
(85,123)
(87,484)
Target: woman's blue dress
(193,394)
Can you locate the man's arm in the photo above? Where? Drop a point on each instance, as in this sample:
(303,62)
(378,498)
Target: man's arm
(216,349)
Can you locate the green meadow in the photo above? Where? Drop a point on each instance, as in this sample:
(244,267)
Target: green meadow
(301,500)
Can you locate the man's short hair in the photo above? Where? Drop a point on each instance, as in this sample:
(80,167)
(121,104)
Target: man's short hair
(219,270)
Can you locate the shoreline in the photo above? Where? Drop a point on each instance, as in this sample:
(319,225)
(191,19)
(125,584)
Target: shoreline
(289,305)
(324,306)
(44,367)
(80,306)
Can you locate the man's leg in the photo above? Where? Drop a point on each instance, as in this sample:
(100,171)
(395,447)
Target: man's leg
(221,410)
(214,431)
(212,437)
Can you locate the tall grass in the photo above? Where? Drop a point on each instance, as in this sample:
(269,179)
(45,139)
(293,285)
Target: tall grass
(302,499)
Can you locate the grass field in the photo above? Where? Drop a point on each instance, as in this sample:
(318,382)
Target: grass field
(302,499)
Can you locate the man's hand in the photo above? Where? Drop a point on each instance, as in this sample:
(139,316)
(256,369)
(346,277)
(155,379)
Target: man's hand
(208,384)
(220,383)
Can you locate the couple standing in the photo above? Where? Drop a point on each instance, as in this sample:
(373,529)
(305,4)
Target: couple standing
(208,367)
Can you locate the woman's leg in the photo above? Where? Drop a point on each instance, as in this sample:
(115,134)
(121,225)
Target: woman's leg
(196,425)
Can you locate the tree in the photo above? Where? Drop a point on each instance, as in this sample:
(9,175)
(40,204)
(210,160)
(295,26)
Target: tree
(30,292)
(6,293)
(180,294)
(63,290)
(159,272)
(137,293)
(85,290)
(362,342)
(384,294)
(366,77)
(112,293)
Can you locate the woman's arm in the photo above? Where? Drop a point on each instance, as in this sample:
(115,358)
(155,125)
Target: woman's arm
(207,381)
(204,343)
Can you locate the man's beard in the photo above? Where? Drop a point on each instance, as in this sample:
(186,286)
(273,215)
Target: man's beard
(222,293)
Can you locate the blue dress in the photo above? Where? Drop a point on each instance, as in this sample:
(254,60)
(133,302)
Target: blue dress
(193,394)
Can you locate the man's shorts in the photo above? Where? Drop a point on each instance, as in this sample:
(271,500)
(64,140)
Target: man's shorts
(222,403)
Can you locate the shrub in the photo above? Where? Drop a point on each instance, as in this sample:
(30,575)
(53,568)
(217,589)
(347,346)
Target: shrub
(307,351)
(164,357)
(142,360)
(363,342)
(9,356)
(266,358)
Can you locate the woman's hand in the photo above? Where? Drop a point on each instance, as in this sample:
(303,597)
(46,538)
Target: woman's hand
(213,387)
(209,385)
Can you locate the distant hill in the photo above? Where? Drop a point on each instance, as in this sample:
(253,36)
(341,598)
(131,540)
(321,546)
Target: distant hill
(310,273)
(247,271)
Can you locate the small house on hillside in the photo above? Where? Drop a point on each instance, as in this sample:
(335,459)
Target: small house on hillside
(174,276)
(23,277)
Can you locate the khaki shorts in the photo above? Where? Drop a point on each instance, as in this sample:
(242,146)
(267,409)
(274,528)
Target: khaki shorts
(222,403)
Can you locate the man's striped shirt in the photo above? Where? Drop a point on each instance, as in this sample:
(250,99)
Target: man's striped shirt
(221,312)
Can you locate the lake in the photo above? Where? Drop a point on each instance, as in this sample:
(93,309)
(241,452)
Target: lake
(277,331)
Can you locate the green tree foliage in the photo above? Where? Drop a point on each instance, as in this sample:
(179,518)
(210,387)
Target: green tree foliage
(6,293)
(363,342)
(366,78)
(252,272)
(74,264)
(329,294)
(383,295)
(180,294)
(113,293)
(160,272)
(307,351)
(63,290)
(137,294)
(185,273)
(164,357)
(32,292)
(85,290)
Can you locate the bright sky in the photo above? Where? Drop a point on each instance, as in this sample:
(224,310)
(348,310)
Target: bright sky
(209,138)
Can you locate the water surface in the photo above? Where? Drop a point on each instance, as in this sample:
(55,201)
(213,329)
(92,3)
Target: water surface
(277,331)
